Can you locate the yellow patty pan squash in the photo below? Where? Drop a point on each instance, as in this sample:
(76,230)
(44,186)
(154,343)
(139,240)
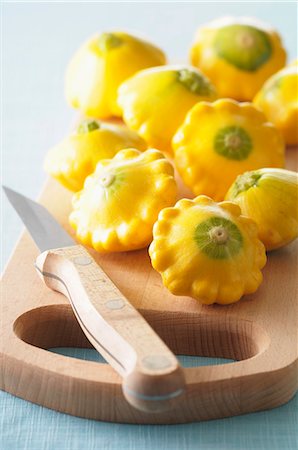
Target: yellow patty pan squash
(270,198)
(238,55)
(278,99)
(207,251)
(73,159)
(155,101)
(101,65)
(221,140)
(121,200)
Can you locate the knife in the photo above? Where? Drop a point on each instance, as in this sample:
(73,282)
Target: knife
(152,379)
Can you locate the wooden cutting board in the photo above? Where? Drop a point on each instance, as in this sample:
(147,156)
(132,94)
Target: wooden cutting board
(260,332)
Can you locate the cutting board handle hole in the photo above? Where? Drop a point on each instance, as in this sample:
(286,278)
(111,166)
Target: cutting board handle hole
(50,326)
(214,336)
(193,335)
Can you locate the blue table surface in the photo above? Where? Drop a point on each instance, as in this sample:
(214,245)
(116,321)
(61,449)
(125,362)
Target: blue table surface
(38,39)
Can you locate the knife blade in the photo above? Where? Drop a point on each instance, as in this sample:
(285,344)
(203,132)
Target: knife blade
(152,378)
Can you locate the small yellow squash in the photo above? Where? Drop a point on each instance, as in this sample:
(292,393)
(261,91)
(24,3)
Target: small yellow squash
(155,101)
(73,159)
(207,251)
(121,200)
(270,198)
(238,55)
(101,65)
(278,99)
(221,140)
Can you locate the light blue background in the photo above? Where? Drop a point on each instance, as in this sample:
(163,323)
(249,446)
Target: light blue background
(37,41)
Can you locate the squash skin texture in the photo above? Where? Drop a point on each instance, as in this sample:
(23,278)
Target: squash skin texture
(251,37)
(154,101)
(278,99)
(73,159)
(101,65)
(270,198)
(120,201)
(187,269)
(203,158)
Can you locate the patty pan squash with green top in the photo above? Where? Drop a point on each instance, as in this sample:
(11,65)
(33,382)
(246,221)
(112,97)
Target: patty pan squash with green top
(270,198)
(207,251)
(278,99)
(120,201)
(155,101)
(238,55)
(101,65)
(219,141)
(73,159)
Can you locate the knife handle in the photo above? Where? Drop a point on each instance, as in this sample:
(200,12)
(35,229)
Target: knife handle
(152,379)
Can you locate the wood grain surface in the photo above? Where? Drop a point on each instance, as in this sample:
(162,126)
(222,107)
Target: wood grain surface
(260,332)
